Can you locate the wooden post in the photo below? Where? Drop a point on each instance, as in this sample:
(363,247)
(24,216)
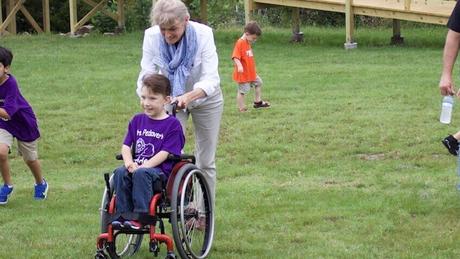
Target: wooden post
(397,39)
(297,35)
(121,14)
(12,22)
(349,25)
(204,11)
(248,6)
(73,16)
(46,16)
(1,15)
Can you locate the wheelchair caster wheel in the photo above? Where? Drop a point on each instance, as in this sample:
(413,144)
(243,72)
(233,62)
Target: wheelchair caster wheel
(154,248)
(170,256)
(100,255)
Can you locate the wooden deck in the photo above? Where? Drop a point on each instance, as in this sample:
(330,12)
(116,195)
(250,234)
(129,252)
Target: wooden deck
(425,11)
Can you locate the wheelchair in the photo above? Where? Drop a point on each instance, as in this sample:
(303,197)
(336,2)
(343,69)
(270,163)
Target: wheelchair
(184,201)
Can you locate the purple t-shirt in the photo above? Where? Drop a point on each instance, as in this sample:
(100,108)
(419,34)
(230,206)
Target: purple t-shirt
(23,123)
(151,136)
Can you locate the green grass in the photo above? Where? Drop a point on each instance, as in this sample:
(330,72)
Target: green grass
(347,163)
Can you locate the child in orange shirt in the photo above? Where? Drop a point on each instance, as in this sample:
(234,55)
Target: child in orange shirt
(244,72)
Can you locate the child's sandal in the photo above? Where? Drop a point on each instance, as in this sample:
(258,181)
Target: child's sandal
(261,104)
(244,109)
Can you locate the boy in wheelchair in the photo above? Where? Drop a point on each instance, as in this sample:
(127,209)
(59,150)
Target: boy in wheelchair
(154,135)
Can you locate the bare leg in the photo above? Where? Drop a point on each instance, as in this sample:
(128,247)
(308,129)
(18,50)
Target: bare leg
(35,168)
(257,94)
(457,135)
(4,164)
(240,101)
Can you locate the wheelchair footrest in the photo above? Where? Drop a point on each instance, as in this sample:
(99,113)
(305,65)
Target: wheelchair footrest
(126,230)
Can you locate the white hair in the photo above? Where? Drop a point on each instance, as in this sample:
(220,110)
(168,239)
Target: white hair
(167,12)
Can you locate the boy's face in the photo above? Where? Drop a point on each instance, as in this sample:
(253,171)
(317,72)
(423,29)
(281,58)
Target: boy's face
(173,32)
(153,103)
(251,37)
(3,72)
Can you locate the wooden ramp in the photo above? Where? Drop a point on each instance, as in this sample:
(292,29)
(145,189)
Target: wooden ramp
(425,11)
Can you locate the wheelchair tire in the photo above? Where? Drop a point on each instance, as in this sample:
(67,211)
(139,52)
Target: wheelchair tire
(127,244)
(192,215)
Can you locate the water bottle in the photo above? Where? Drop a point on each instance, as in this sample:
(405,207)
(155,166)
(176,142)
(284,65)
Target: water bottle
(446,111)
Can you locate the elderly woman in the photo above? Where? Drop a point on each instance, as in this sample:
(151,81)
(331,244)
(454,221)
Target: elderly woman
(185,52)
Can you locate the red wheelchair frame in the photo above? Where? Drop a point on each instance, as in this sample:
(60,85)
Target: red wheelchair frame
(185,201)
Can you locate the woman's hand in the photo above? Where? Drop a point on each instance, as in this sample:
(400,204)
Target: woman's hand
(184,100)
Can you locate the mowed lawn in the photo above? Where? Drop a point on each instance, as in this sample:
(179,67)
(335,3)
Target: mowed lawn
(346,163)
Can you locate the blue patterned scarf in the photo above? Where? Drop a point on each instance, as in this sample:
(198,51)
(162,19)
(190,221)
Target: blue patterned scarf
(178,61)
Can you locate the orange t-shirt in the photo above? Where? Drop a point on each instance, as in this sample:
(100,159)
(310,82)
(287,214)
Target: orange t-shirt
(243,52)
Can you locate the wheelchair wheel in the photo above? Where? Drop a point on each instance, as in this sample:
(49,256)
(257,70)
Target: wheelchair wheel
(125,244)
(192,215)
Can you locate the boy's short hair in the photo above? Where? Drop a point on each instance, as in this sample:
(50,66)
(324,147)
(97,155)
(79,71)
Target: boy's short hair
(253,28)
(6,57)
(157,84)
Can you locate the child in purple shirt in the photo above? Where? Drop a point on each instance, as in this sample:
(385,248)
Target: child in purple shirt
(154,135)
(17,120)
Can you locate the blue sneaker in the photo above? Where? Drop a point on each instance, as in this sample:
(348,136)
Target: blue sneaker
(5,193)
(41,190)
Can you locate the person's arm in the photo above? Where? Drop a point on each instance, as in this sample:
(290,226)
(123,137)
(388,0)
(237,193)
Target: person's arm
(4,115)
(209,80)
(451,48)
(128,158)
(238,64)
(156,160)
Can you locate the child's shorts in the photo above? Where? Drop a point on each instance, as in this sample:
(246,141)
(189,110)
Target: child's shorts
(245,87)
(28,150)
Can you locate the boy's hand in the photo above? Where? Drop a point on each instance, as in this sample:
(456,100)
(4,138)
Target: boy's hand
(240,69)
(132,167)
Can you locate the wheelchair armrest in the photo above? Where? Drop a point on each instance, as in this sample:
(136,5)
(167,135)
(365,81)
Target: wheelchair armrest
(182,157)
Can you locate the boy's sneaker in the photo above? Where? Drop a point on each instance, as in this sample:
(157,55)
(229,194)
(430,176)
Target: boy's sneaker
(5,193)
(261,104)
(116,224)
(133,224)
(41,190)
(451,144)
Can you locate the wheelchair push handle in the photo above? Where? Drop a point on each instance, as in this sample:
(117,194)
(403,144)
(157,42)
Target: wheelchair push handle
(174,108)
